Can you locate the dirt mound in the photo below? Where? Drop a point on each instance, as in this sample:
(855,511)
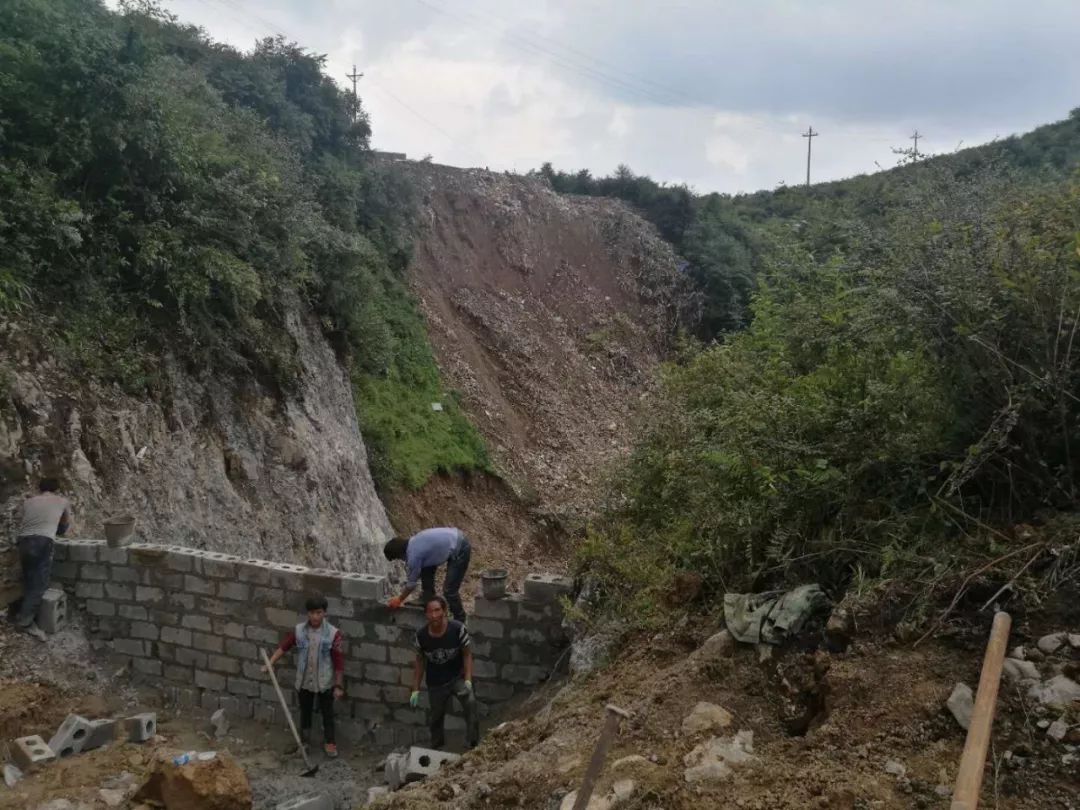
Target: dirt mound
(219,784)
(548,314)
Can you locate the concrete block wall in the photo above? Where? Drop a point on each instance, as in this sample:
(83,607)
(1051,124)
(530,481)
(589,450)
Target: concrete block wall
(192,622)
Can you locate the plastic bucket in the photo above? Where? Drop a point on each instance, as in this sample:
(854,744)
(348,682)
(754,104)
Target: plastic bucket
(493,583)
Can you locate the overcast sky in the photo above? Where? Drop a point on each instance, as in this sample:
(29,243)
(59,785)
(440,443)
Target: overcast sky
(713,93)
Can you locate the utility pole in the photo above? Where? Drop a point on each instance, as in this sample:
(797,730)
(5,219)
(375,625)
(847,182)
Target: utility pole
(354,76)
(915,137)
(809,135)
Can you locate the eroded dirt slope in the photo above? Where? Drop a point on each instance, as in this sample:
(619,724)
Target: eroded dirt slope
(548,314)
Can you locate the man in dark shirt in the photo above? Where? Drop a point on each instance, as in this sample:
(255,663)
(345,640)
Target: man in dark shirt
(444,654)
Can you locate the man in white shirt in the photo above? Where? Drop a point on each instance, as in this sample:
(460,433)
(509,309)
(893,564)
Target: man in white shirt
(43,517)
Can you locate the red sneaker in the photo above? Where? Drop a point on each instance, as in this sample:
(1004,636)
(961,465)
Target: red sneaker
(330,750)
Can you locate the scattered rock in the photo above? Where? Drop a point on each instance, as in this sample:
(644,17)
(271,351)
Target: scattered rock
(839,630)
(706,717)
(375,792)
(1018,671)
(220,723)
(718,645)
(595,802)
(961,703)
(713,760)
(630,762)
(1074,640)
(1018,654)
(112,797)
(1056,693)
(622,790)
(11,775)
(217,784)
(1052,643)
(1057,730)
(896,768)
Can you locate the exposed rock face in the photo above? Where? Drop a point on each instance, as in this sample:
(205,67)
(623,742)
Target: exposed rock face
(210,462)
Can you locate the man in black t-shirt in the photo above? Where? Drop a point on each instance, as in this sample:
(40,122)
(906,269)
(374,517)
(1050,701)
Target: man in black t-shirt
(444,654)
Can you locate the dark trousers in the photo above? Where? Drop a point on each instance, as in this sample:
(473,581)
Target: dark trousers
(35,556)
(456,568)
(439,697)
(326,709)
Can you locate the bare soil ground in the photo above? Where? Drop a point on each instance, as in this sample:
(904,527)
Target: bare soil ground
(548,314)
(885,702)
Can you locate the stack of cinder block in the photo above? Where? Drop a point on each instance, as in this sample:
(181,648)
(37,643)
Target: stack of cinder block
(77,735)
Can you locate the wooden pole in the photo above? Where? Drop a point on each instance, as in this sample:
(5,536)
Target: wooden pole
(970,777)
(596,764)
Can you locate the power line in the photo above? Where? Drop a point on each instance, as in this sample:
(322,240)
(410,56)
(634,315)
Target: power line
(809,135)
(355,102)
(915,137)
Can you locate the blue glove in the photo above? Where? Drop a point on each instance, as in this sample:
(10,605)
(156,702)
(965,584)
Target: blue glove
(414,699)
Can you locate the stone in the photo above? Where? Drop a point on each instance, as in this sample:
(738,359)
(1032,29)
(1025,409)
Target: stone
(220,723)
(71,736)
(839,630)
(961,703)
(622,790)
(312,801)
(216,784)
(141,727)
(32,752)
(102,732)
(1074,640)
(718,645)
(1018,671)
(424,762)
(706,717)
(1057,693)
(714,759)
(1052,643)
(112,797)
(595,802)
(12,775)
(1018,653)
(896,768)
(394,770)
(630,762)
(374,793)
(1058,729)
(52,615)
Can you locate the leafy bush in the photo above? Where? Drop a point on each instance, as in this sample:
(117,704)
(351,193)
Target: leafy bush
(881,402)
(160,192)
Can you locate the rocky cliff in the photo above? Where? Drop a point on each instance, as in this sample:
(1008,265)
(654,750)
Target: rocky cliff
(209,462)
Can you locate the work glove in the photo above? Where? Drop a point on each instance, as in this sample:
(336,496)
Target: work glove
(468,685)
(414,699)
(394,603)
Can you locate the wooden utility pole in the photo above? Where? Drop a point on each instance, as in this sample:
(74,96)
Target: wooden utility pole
(354,76)
(809,135)
(915,137)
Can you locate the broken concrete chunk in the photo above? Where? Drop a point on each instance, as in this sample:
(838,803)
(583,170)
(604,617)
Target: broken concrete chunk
(1016,671)
(1057,693)
(374,793)
(11,775)
(706,717)
(1052,643)
(961,703)
(31,752)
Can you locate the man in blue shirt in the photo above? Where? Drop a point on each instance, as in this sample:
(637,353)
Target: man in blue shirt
(423,553)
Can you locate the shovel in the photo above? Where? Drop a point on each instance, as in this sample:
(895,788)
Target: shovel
(311,770)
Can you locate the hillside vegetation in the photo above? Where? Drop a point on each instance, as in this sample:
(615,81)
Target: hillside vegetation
(162,193)
(904,393)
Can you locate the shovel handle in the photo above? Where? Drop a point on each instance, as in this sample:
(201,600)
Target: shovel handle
(970,776)
(285,708)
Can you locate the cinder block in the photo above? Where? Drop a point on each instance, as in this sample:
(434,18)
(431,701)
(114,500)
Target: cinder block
(210,680)
(135,612)
(381,673)
(129,646)
(82,552)
(196,623)
(309,802)
(282,618)
(491,608)
(368,652)
(30,753)
(236,591)
(144,630)
(124,593)
(92,571)
(141,727)
(367,587)
(519,673)
(97,607)
(547,587)
(487,628)
(123,574)
(102,732)
(254,572)
(241,649)
(90,590)
(146,666)
(223,663)
(424,762)
(193,584)
(71,736)
(173,635)
(52,615)
(151,595)
(207,642)
(244,687)
(113,556)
